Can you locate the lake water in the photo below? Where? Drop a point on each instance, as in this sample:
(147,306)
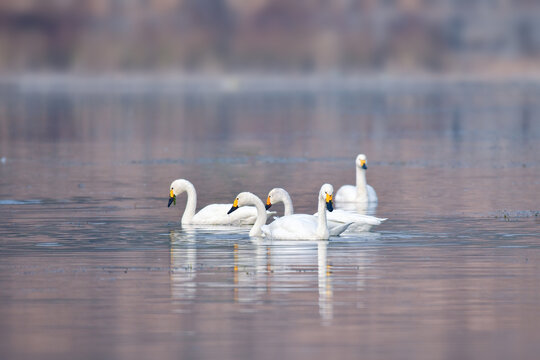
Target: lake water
(93,265)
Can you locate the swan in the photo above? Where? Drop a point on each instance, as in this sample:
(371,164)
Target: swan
(213,214)
(335,218)
(362,192)
(294,226)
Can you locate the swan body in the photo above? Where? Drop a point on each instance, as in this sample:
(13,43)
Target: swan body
(336,218)
(293,226)
(362,192)
(213,214)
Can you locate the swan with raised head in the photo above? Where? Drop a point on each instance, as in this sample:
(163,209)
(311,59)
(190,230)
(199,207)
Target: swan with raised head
(213,214)
(362,192)
(294,226)
(335,218)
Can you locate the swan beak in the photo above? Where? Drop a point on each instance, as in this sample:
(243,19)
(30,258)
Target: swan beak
(329,203)
(233,207)
(363,164)
(268,203)
(172,198)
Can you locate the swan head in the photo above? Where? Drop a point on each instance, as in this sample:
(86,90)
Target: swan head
(326,193)
(177,187)
(361,161)
(274,196)
(241,200)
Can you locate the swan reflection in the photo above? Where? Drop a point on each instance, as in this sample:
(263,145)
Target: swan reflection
(183,264)
(259,270)
(271,264)
(361,207)
(252,271)
(326,308)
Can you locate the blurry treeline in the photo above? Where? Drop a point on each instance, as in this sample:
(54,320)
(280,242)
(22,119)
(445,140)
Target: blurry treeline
(269,35)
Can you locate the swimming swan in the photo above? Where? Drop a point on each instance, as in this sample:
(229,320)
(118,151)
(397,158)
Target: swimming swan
(213,214)
(362,192)
(335,218)
(291,227)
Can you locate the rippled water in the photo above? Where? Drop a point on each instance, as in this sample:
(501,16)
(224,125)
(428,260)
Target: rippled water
(94,265)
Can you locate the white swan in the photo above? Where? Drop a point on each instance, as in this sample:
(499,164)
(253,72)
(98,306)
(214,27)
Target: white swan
(362,192)
(335,218)
(213,214)
(291,227)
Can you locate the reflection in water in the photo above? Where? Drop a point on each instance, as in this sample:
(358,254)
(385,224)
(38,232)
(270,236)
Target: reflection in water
(362,208)
(249,275)
(326,309)
(262,267)
(183,264)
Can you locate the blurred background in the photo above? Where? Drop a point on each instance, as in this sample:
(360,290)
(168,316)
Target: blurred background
(305,36)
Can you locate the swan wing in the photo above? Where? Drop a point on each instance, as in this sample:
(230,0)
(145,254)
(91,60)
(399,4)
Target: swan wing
(336,229)
(216,214)
(292,227)
(343,216)
(372,195)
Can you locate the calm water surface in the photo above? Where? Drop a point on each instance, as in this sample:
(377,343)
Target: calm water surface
(93,265)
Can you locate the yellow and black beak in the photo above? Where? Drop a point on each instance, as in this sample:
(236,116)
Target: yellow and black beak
(234,206)
(268,203)
(172,198)
(363,164)
(329,203)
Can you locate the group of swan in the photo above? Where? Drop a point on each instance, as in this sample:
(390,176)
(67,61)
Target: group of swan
(335,218)
(248,209)
(213,214)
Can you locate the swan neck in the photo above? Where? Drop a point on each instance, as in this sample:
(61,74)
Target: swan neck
(361,192)
(322,226)
(261,215)
(287,202)
(191,203)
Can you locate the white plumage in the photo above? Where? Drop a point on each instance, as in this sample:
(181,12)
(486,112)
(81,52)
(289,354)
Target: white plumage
(213,214)
(362,192)
(335,219)
(295,226)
